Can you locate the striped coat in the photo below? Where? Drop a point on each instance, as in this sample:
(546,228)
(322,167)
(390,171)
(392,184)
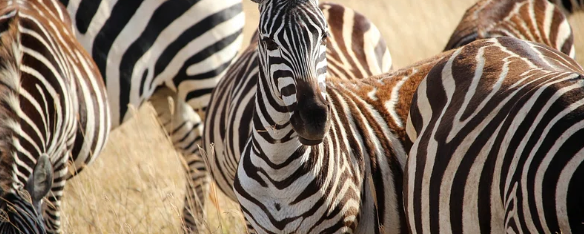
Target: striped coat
(496,148)
(291,177)
(362,54)
(158,50)
(532,20)
(53,109)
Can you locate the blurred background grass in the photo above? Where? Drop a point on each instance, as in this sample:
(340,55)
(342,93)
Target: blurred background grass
(137,184)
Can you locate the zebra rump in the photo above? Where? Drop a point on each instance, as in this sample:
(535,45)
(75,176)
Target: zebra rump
(497,129)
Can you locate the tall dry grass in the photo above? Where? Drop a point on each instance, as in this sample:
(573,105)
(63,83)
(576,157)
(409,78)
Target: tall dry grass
(137,184)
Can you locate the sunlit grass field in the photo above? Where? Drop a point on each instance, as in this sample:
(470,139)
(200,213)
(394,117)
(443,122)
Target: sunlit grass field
(137,184)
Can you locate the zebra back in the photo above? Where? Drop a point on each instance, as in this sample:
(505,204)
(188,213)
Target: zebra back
(496,129)
(140,45)
(532,20)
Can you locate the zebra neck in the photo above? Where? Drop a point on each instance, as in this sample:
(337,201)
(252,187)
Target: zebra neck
(277,153)
(269,107)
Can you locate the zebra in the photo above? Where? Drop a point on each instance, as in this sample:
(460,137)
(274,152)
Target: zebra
(324,155)
(532,20)
(404,82)
(502,126)
(284,171)
(161,49)
(19,209)
(355,49)
(53,109)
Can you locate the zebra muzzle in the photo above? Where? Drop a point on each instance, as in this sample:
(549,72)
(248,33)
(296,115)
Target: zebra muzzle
(311,119)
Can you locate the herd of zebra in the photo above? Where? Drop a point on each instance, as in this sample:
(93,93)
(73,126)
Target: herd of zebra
(309,129)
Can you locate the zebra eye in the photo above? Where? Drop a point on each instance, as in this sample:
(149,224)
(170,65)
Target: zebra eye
(270,43)
(324,39)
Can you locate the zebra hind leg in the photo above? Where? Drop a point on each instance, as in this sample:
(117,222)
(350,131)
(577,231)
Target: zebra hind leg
(184,127)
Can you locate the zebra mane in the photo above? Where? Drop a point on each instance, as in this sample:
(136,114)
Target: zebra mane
(10,60)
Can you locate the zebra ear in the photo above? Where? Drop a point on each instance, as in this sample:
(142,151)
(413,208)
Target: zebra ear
(41,180)
(258,1)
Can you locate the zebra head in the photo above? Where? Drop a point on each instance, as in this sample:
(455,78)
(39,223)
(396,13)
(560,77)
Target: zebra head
(18,213)
(292,51)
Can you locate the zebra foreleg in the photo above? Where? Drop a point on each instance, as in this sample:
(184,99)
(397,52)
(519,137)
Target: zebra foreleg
(184,127)
(197,191)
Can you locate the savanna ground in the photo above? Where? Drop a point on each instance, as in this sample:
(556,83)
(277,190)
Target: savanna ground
(137,184)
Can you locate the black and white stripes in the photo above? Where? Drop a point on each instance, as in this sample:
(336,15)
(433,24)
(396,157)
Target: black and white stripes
(497,129)
(531,20)
(293,178)
(140,45)
(355,49)
(295,175)
(54,109)
(20,212)
(160,49)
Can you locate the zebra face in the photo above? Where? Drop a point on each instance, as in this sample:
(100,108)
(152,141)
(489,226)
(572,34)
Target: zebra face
(18,213)
(292,51)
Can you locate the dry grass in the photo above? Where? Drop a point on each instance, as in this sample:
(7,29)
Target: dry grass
(137,184)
